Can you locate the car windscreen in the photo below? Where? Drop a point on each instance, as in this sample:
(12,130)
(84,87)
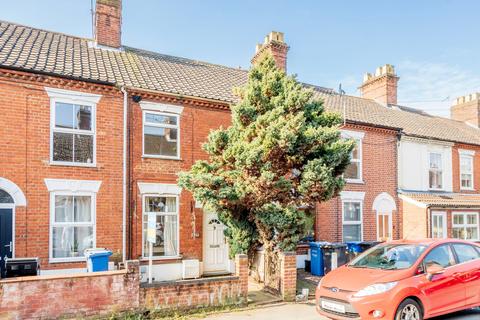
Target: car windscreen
(389,256)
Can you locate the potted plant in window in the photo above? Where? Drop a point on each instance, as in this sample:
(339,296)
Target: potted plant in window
(74,249)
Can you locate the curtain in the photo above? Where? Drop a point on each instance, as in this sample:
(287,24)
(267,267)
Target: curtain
(170,229)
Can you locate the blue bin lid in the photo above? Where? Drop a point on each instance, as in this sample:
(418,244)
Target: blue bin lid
(98,253)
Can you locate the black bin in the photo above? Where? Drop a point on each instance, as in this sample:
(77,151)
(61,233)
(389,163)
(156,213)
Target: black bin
(22,267)
(334,255)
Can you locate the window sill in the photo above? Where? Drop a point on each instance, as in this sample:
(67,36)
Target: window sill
(73,164)
(67,260)
(179,257)
(147,156)
(467,189)
(355,181)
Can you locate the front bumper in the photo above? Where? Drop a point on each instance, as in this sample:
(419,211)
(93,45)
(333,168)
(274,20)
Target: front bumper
(355,308)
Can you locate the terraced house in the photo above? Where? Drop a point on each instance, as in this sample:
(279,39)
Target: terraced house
(95,132)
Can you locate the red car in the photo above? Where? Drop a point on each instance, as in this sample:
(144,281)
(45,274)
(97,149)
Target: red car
(404,280)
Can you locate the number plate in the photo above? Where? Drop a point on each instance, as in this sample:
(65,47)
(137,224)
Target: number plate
(327,305)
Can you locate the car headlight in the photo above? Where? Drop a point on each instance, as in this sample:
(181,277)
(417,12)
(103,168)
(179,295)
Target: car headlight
(320,282)
(375,289)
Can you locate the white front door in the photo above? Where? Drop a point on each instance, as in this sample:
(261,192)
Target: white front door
(215,248)
(439,224)
(384,226)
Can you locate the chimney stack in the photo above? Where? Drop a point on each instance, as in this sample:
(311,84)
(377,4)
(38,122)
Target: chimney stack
(275,43)
(108,23)
(467,109)
(381,86)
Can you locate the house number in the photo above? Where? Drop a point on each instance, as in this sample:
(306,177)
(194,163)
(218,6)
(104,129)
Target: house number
(214,246)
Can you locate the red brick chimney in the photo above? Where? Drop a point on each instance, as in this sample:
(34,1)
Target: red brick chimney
(274,42)
(467,109)
(108,23)
(382,86)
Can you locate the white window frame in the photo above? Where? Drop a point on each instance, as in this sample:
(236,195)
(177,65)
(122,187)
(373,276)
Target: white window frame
(465,225)
(442,170)
(165,110)
(177,199)
(355,223)
(470,155)
(76,98)
(443,214)
(358,138)
(53,224)
(357,197)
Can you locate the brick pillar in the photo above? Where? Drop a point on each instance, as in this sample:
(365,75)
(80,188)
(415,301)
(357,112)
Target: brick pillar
(241,270)
(288,275)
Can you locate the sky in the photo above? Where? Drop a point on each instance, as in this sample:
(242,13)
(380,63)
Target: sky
(433,44)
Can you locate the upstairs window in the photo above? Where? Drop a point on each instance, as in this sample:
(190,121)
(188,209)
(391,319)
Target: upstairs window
(435,174)
(354,169)
(466,171)
(353,173)
(160,135)
(72,126)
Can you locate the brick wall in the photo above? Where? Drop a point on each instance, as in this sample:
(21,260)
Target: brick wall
(195,125)
(24,160)
(415,224)
(288,275)
(379,155)
(102,293)
(52,297)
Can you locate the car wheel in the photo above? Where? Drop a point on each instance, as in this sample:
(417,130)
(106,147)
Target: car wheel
(409,309)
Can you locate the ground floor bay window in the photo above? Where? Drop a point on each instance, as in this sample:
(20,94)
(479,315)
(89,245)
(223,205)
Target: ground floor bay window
(167,232)
(72,226)
(465,225)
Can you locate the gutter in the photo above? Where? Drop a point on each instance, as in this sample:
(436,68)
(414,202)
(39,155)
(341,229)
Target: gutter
(124,174)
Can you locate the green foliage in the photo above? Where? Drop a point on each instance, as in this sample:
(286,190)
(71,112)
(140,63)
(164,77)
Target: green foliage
(283,152)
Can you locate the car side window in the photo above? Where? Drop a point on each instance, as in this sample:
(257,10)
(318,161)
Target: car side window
(465,252)
(441,255)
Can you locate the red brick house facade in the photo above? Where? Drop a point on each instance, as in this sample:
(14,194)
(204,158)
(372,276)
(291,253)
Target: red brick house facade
(36,180)
(366,209)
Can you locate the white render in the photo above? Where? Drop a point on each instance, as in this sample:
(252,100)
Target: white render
(73,185)
(413,163)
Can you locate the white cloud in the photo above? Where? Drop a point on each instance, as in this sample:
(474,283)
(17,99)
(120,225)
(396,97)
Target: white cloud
(432,86)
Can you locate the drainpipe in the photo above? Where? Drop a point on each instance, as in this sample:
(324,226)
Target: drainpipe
(124,176)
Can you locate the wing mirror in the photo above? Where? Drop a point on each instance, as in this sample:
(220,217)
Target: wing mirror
(434,269)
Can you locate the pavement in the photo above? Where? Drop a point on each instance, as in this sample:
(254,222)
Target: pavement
(306,311)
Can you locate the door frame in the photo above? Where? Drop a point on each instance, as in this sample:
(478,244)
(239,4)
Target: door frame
(12,207)
(390,224)
(444,225)
(206,215)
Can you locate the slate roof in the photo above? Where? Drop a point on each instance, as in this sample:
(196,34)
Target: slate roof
(41,51)
(447,200)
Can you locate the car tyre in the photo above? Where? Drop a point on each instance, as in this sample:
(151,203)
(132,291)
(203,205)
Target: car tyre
(409,309)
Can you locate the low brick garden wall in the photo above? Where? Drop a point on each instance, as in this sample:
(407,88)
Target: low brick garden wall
(102,293)
(49,297)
